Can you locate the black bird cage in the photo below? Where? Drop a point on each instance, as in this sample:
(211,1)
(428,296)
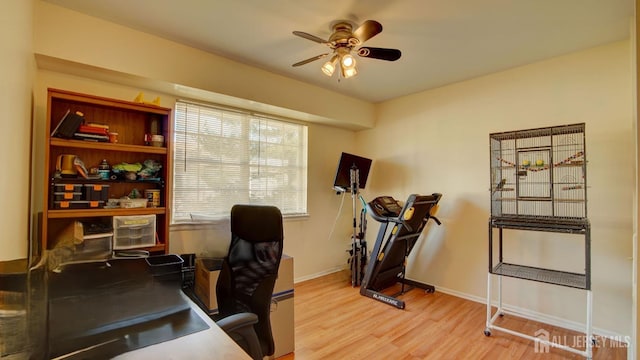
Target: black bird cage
(539,173)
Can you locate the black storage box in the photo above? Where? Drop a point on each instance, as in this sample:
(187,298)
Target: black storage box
(96,192)
(165,265)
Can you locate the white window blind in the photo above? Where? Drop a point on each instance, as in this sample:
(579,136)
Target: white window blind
(224,157)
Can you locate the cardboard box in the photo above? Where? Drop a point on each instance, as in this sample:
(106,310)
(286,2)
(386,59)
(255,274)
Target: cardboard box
(207,271)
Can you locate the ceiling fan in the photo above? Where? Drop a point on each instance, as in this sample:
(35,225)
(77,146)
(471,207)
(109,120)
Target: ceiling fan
(343,41)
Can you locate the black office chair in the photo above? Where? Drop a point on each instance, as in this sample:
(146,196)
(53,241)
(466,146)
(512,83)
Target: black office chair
(248,275)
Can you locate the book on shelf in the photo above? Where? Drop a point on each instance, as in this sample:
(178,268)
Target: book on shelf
(68,125)
(94,124)
(91,137)
(87,129)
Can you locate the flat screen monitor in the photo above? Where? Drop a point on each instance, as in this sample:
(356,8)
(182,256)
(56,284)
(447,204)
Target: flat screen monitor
(343,174)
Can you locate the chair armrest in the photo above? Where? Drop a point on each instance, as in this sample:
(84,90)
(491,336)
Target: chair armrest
(240,328)
(237,321)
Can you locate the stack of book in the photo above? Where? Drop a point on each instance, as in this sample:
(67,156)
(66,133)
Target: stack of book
(92,132)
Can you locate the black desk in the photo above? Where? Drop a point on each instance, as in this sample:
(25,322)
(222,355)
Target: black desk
(117,305)
(100,312)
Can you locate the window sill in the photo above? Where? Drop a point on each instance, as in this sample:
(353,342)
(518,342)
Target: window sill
(294,217)
(207,223)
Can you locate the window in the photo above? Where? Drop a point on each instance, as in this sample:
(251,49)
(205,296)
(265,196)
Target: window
(224,157)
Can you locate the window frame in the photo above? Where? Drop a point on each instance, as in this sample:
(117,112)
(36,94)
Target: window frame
(253,120)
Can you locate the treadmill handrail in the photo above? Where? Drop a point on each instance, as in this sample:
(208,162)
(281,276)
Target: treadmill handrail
(400,218)
(383,219)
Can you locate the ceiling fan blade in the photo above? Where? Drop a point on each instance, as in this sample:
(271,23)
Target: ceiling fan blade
(309,37)
(367,30)
(380,53)
(310,60)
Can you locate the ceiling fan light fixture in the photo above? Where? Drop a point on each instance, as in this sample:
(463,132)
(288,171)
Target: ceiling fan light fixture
(349,72)
(347,62)
(330,66)
(343,42)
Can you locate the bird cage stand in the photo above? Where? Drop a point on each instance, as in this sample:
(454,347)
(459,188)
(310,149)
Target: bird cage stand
(538,183)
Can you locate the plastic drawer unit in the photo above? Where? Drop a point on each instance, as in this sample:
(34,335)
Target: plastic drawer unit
(134,231)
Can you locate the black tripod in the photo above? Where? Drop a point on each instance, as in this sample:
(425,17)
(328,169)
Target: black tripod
(358,251)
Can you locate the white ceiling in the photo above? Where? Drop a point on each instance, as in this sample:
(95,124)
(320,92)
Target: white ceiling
(442,41)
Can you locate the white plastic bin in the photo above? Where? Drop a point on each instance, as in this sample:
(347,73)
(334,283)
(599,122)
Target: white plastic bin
(134,231)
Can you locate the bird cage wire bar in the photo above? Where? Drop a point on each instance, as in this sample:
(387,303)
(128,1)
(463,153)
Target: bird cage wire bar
(539,173)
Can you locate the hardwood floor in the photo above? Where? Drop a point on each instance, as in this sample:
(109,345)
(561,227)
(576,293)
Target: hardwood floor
(333,321)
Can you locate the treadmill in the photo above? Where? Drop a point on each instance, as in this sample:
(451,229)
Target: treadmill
(387,264)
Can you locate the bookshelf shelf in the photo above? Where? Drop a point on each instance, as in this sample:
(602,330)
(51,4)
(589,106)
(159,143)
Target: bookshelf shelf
(87,213)
(81,144)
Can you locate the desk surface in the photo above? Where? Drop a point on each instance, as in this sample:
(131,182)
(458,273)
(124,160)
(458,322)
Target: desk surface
(201,345)
(205,344)
(110,310)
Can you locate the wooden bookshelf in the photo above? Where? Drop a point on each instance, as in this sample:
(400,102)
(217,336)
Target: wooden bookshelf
(132,121)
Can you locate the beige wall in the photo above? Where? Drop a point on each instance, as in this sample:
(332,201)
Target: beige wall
(17,69)
(437,141)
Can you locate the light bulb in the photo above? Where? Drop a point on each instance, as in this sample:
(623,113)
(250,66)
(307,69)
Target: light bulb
(348,61)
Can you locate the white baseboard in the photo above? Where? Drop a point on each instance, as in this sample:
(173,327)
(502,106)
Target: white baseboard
(319,274)
(543,318)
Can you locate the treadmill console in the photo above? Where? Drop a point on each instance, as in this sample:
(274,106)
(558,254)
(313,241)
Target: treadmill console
(385,207)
